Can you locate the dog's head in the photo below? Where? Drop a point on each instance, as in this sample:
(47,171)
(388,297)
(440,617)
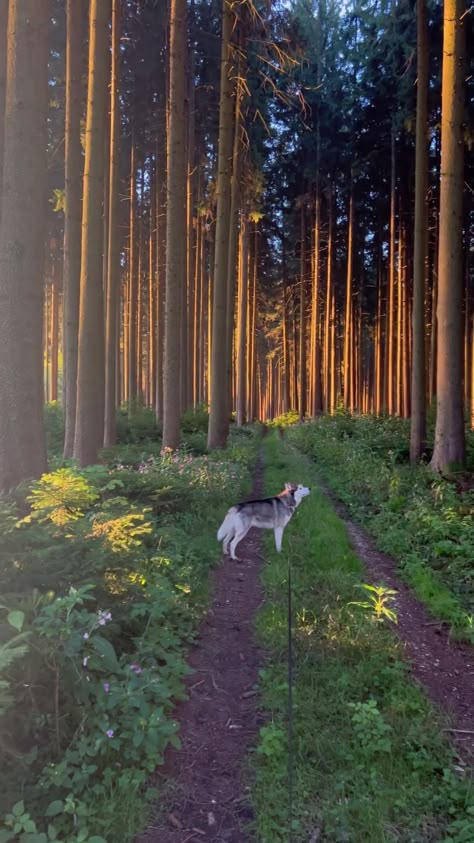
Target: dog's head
(298,491)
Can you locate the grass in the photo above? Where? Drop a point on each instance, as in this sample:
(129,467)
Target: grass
(424,520)
(370,763)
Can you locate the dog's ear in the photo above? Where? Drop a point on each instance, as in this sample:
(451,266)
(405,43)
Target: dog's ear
(288,487)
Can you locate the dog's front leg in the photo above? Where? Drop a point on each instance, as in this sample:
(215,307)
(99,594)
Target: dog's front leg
(278,537)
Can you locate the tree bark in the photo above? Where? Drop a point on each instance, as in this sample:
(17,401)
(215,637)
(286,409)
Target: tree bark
(348,363)
(390,334)
(175,225)
(302,342)
(23,198)
(449,436)
(242,321)
(72,218)
(89,431)
(219,409)
(3,80)
(113,262)
(418,375)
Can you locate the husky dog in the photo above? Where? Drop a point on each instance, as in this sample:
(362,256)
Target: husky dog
(272,513)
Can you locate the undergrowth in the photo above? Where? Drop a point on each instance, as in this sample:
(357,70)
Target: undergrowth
(103,576)
(424,520)
(370,763)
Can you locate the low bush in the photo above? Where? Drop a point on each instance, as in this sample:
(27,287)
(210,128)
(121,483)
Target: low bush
(102,583)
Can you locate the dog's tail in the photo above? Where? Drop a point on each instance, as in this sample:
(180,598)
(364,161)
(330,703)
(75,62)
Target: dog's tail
(227,525)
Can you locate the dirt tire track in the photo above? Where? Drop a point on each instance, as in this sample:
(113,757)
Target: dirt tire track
(220,721)
(444,668)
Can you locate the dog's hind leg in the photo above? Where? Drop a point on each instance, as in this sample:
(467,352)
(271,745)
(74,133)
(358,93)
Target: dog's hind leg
(278,537)
(226,542)
(240,534)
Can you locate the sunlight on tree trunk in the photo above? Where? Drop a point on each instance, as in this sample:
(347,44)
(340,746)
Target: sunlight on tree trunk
(449,436)
(219,409)
(175,226)
(113,262)
(89,431)
(72,218)
(418,383)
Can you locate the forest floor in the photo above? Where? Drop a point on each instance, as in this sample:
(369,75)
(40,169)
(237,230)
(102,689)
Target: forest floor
(445,668)
(207,797)
(204,787)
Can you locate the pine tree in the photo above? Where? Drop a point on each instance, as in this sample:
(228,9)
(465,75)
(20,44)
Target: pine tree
(175,226)
(449,437)
(89,430)
(23,198)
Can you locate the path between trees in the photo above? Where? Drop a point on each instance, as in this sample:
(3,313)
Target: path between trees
(444,667)
(219,722)
(208,795)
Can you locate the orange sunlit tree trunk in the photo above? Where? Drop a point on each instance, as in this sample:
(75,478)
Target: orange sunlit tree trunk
(449,436)
(89,430)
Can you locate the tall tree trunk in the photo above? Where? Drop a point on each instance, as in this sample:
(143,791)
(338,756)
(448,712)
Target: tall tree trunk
(23,198)
(285,338)
(449,437)
(418,377)
(192,229)
(233,234)
(315,357)
(160,262)
(196,316)
(242,321)
(133,282)
(302,343)
(378,374)
(390,335)
(72,220)
(348,365)
(113,262)
(152,335)
(89,431)
(327,311)
(399,314)
(54,327)
(175,225)
(219,410)
(3,80)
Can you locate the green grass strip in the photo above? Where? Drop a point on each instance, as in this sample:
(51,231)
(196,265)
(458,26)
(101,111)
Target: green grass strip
(370,763)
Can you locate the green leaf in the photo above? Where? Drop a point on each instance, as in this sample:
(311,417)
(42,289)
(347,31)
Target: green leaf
(30,826)
(6,836)
(18,809)
(106,651)
(16,619)
(55,808)
(97,839)
(52,833)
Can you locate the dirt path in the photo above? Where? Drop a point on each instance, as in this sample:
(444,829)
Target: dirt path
(445,668)
(219,721)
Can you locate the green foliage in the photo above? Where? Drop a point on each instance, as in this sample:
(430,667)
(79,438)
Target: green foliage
(54,426)
(61,496)
(195,421)
(106,580)
(422,519)
(139,427)
(370,760)
(377,604)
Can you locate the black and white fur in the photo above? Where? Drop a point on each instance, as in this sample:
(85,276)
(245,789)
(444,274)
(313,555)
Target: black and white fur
(267,513)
